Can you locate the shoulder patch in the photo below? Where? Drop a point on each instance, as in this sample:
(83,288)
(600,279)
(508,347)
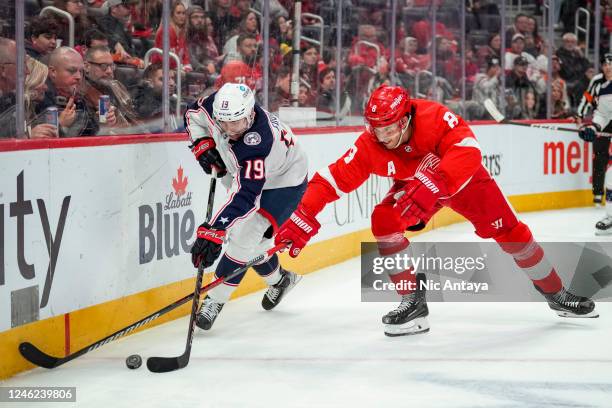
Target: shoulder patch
(252,139)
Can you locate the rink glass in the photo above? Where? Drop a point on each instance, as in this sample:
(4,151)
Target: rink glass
(364,43)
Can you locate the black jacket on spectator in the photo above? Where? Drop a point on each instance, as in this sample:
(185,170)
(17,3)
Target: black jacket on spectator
(519,87)
(32,52)
(148,105)
(116,32)
(8,127)
(225,27)
(573,64)
(86,121)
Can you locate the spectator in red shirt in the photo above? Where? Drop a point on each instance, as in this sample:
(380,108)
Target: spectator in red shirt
(178,36)
(365,55)
(407,60)
(421,30)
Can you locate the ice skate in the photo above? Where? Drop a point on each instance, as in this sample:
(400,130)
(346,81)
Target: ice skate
(566,304)
(276,292)
(209,310)
(410,317)
(604,227)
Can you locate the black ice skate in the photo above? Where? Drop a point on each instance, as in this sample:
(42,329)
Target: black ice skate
(209,310)
(410,317)
(276,292)
(604,227)
(566,304)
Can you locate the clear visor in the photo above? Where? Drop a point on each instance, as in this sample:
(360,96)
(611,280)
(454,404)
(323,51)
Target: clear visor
(387,133)
(234,128)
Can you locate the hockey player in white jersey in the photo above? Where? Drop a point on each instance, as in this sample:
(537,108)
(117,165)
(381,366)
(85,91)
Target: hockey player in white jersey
(599,96)
(266,171)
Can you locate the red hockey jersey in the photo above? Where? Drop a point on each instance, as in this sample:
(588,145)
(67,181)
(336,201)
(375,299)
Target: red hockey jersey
(440,139)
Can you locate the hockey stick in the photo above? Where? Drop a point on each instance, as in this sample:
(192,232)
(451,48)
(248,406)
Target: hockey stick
(500,118)
(165,364)
(35,356)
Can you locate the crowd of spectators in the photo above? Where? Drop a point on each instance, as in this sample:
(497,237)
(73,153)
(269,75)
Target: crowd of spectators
(218,41)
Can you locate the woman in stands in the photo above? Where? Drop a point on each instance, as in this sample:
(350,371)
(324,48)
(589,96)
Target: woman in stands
(35,88)
(178,36)
(82,23)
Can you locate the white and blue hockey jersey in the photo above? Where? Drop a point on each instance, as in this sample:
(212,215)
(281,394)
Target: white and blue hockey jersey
(268,156)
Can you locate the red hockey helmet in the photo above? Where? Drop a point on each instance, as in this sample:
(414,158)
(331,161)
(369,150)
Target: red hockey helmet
(387,105)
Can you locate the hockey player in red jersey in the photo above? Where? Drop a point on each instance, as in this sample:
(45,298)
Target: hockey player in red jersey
(434,160)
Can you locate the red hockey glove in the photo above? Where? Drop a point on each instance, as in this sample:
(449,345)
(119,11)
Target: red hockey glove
(419,195)
(297,230)
(207,246)
(206,153)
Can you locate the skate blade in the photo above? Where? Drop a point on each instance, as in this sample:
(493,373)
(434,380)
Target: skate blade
(416,326)
(592,315)
(603,232)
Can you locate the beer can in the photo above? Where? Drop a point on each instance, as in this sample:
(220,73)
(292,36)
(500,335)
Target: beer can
(103,107)
(52,116)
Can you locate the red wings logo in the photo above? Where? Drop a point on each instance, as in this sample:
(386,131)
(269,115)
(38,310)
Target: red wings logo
(179,183)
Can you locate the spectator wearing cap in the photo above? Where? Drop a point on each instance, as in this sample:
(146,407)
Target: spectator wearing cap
(487,84)
(518,82)
(517,49)
(203,52)
(114,25)
(65,80)
(520,26)
(573,64)
(41,38)
(178,36)
(100,80)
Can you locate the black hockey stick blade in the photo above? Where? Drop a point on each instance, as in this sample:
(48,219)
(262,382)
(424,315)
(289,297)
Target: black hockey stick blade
(167,364)
(33,354)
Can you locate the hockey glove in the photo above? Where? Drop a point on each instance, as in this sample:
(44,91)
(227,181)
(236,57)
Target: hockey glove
(207,246)
(587,133)
(419,196)
(297,231)
(208,156)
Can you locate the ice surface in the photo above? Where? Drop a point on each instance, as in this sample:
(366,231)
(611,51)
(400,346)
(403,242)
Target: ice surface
(322,347)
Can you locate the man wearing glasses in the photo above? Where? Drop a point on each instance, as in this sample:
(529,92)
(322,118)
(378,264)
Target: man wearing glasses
(100,80)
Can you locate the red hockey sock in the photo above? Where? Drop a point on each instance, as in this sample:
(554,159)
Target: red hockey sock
(550,284)
(406,280)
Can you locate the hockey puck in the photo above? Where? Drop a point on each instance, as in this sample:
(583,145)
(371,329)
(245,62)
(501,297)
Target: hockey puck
(133,362)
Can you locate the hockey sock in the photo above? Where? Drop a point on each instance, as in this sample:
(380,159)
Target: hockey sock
(405,281)
(222,293)
(529,256)
(269,270)
(550,284)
